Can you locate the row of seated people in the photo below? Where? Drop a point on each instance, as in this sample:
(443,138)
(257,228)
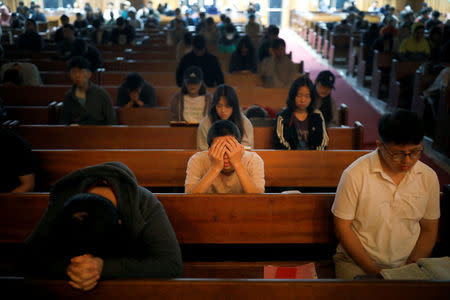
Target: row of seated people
(275,66)
(135,239)
(87,104)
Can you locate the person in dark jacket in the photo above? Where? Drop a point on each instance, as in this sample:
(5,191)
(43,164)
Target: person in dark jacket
(81,48)
(59,34)
(299,126)
(136,92)
(244,57)
(199,56)
(30,39)
(86,103)
(323,100)
(123,34)
(100,224)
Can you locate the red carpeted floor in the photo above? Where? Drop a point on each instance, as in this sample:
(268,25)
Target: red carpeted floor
(359,108)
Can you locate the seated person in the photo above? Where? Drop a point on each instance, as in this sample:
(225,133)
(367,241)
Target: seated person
(28,73)
(81,48)
(252,28)
(12,78)
(228,39)
(136,92)
(323,100)
(259,116)
(66,45)
(415,47)
(278,70)
(30,39)
(225,167)
(210,32)
(59,34)
(386,209)
(99,36)
(86,103)
(300,126)
(225,106)
(37,15)
(184,46)
(100,224)
(199,56)
(266,42)
(193,102)
(123,34)
(244,57)
(16,160)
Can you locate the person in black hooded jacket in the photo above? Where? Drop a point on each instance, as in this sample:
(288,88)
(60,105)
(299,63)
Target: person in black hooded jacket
(100,224)
(299,126)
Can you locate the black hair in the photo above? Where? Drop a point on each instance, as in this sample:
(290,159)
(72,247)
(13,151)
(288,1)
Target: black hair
(202,90)
(401,127)
(78,62)
(222,128)
(96,23)
(133,81)
(13,76)
(198,42)
(78,14)
(273,30)
(202,14)
(230,95)
(209,21)
(277,42)
(247,42)
(120,21)
(64,17)
(222,17)
(256,111)
(32,21)
(293,91)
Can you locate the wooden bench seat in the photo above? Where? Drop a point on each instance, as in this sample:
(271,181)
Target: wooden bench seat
(401,72)
(188,289)
(156,137)
(167,168)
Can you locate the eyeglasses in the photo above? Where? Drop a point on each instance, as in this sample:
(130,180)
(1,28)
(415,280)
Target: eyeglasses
(400,156)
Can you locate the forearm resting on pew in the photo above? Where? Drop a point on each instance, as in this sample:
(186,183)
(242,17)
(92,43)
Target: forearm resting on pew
(353,246)
(246,181)
(203,185)
(426,240)
(27,183)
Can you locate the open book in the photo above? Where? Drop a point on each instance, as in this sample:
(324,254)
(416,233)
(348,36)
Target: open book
(425,269)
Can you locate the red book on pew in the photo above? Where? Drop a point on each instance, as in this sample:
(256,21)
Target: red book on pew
(306,271)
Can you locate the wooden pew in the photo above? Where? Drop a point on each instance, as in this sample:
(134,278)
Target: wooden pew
(381,66)
(44,115)
(353,52)
(188,289)
(339,44)
(43,95)
(441,141)
(401,71)
(159,115)
(157,137)
(364,67)
(421,82)
(167,168)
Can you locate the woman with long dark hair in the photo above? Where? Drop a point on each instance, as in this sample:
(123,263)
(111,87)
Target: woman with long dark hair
(244,57)
(225,106)
(299,126)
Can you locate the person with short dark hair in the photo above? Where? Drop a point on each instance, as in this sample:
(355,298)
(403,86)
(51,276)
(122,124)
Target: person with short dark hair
(386,209)
(136,92)
(199,56)
(80,22)
(99,36)
(252,28)
(100,224)
(123,33)
(16,160)
(210,32)
(82,48)
(244,57)
(225,106)
(193,102)
(434,21)
(266,42)
(322,98)
(59,34)
(86,103)
(300,126)
(278,70)
(226,167)
(66,45)
(30,39)
(37,15)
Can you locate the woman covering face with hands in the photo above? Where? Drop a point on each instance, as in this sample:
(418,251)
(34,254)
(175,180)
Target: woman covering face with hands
(225,167)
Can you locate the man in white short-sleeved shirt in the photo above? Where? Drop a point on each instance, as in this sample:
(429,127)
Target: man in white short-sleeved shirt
(225,167)
(386,209)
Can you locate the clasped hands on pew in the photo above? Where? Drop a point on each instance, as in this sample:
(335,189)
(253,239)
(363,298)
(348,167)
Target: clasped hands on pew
(84,271)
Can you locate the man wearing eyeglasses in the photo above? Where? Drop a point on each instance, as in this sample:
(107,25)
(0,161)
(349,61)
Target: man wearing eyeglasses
(386,209)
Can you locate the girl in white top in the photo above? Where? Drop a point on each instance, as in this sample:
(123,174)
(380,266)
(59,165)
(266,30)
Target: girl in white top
(225,106)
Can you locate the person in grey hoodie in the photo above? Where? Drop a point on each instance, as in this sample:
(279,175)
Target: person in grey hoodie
(100,224)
